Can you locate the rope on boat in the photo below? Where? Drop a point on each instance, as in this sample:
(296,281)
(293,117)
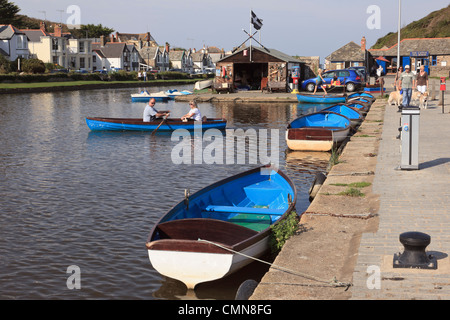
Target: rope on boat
(334,282)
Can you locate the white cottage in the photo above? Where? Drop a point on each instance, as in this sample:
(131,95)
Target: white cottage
(13,43)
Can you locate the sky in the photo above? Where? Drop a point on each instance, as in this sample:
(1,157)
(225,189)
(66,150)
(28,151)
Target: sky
(295,27)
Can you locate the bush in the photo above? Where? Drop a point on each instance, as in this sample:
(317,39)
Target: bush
(33,66)
(5,65)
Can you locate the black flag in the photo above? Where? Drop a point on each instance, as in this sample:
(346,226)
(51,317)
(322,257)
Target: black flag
(257,23)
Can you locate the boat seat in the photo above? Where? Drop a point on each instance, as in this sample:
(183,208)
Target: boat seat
(247,210)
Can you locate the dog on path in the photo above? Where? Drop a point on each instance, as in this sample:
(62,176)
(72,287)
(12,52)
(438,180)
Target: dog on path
(422,98)
(395,97)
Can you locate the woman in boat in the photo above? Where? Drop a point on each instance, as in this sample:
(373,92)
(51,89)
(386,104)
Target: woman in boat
(193,114)
(319,81)
(151,114)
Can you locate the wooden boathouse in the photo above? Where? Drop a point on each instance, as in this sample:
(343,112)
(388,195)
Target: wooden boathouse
(255,68)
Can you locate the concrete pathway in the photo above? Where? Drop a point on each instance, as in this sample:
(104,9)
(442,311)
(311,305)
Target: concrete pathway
(415,200)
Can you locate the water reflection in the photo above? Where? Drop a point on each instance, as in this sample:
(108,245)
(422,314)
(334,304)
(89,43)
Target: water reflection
(75,197)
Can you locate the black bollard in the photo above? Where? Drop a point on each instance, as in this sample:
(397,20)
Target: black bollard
(414,255)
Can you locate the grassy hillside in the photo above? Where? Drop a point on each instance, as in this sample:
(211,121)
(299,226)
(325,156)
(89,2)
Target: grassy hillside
(434,25)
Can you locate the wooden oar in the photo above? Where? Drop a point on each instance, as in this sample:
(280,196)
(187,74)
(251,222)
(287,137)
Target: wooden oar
(164,119)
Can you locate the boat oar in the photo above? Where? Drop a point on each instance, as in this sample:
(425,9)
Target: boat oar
(164,119)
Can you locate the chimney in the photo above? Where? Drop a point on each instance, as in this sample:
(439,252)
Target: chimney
(43,26)
(167,47)
(112,38)
(58,31)
(363,44)
(102,41)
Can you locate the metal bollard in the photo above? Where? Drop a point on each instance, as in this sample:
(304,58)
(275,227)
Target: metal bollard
(414,255)
(410,138)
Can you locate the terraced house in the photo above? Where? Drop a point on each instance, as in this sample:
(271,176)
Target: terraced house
(59,48)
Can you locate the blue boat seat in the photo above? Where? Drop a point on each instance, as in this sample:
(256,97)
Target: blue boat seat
(248,210)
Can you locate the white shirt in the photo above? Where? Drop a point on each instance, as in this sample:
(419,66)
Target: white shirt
(195,114)
(149,114)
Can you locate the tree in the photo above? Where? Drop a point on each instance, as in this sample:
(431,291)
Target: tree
(8,13)
(91,31)
(33,66)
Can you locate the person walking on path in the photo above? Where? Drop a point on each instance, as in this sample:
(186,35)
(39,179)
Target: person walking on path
(397,78)
(422,80)
(406,83)
(320,81)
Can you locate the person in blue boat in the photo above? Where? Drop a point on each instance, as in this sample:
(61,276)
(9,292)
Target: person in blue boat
(193,114)
(320,82)
(151,114)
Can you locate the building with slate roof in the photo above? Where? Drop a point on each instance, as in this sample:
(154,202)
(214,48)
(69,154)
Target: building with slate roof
(433,53)
(110,55)
(13,43)
(254,68)
(349,55)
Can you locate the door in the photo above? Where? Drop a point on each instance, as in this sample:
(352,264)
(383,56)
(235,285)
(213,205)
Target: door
(406,61)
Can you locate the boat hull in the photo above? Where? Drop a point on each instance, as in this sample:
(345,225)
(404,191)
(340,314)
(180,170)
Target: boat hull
(213,266)
(314,140)
(303,98)
(318,131)
(129,124)
(147,98)
(197,242)
(355,116)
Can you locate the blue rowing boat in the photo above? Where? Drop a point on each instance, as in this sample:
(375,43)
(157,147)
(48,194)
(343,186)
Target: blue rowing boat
(318,131)
(219,229)
(136,124)
(355,116)
(310,98)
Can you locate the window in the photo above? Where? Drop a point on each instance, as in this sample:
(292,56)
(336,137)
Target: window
(81,46)
(55,44)
(433,60)
(21,42)
(343,73)
(328,75)
(82,63)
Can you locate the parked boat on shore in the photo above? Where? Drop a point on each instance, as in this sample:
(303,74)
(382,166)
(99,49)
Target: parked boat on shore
(219,229)
(318,131)
(200,85)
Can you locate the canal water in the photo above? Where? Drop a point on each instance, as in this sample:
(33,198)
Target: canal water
(72,199)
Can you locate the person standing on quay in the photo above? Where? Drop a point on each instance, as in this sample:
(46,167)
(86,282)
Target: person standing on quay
(422,80)
(407,83)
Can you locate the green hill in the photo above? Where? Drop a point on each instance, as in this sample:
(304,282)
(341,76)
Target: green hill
(434,25)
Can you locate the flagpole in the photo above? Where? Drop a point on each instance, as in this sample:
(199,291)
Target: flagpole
(251,32)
